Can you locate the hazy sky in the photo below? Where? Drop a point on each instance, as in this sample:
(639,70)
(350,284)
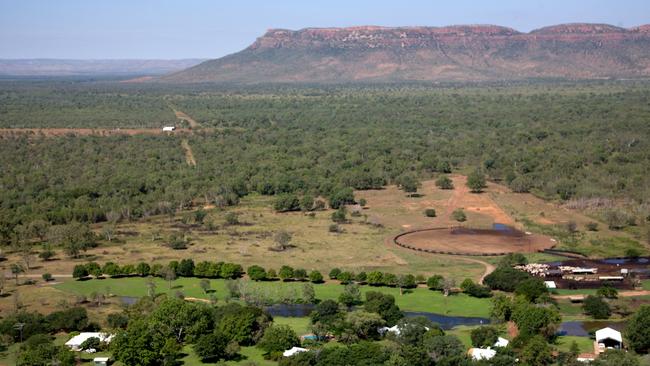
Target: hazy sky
(207,29)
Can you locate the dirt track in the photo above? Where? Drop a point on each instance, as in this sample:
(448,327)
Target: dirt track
(184,117)
(189,155)
(54,132)
(477,202)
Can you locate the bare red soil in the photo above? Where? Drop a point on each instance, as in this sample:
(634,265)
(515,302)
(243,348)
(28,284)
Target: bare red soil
(467,241)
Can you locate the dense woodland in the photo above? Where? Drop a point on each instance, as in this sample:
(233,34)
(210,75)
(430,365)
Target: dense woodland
(560,141)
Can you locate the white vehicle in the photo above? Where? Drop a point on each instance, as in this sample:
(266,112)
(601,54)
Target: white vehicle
(169,129)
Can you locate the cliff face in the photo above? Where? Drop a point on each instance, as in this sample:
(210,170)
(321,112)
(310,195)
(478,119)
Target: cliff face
(455,53)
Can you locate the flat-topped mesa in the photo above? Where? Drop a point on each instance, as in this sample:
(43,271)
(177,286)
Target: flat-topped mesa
(374,36)
(453,53)
(641,29)
(579,28)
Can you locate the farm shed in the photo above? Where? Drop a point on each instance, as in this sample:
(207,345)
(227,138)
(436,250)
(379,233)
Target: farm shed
(501,342)
(100,361)
(609,338)
(75,342)
(293,351)
(478,354)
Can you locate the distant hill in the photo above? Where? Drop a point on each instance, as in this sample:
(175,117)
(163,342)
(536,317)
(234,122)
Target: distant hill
(58,67)
(455,53)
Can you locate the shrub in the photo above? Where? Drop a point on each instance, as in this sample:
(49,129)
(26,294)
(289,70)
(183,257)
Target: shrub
(231,270)
(232,218)
(375,278)
(345,277)
(286,203)
(276,339)
(384,305)
(72,319)
(513,259)
(143,269)
(459,215)
(484,336)
(47,277)
(90,343)
(315,277)
(185,268)
(531,288)
(334,273)
(340,216)
(466,284)
(435,282)
(361,277)
(213,347)
(199,215)
(637,331)
(476,181)
(117,320)
(351,295)
(341,197)
(111,269)
(430,212)
(334,228)
(299,274)
(476,290)
(286,273)
(256,273)
(596,307)
(443,182)
(592,226)
(607,292)
(390,279)
(505,279)
(632,253)
(79,271)
(47,253)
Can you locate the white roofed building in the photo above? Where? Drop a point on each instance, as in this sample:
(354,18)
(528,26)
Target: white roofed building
(501,342)
(608,338)
(75,342)
(293,351)
(478,354)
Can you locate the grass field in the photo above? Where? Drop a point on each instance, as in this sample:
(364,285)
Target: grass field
(419,299)
(585,344)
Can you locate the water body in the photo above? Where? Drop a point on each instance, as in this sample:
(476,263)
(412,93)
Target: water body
(640,260)
(129,300)
(587,328)
(502,227)
(290,310)
(446,322)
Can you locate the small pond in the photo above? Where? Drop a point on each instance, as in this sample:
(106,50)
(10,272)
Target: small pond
(129,300)
(446,322)
(502,227)
(587,328)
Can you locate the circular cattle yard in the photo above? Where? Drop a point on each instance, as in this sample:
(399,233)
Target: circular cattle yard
(472,241)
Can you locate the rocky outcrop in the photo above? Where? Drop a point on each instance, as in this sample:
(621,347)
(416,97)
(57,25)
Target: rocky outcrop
(464,52)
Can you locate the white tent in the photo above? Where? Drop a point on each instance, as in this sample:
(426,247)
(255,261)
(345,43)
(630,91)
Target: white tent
(75,342)
(100,361)
(501,342)
(293,351)
(609,338)
(478,354)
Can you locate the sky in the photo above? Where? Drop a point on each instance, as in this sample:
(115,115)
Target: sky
(166,29)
